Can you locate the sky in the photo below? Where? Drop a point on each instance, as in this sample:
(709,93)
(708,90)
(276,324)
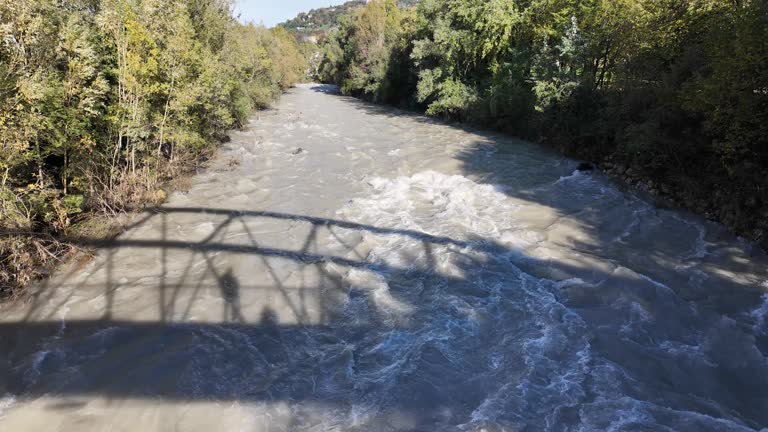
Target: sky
(272,12)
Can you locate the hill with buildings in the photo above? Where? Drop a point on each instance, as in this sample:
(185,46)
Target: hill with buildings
(322,20)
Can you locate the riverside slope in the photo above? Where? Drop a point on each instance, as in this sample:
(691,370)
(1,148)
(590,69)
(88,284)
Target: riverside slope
(348,267)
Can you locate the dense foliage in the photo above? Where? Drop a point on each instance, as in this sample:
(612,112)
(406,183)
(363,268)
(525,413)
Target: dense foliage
(675,91)
(102,100)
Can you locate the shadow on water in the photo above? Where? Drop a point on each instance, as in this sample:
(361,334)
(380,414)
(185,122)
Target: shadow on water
(237,345)
(230,292)
(327,89)
(325,340)
(613,223)
(385,111)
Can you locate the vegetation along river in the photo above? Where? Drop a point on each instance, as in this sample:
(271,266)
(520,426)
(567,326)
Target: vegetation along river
(347,267)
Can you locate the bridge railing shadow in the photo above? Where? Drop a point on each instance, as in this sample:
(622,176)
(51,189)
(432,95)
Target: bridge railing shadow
(254,337)
(261,339)
(160,241)
(185,271)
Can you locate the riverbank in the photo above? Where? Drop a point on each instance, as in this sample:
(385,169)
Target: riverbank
(709,196)
(28,257)
(651,90)
(703,196)
(396,274)
(102,106)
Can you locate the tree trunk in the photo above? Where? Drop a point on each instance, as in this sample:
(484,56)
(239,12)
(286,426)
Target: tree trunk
(165,119)
(65,169)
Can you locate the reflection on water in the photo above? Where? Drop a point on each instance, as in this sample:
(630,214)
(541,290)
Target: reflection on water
(396,275)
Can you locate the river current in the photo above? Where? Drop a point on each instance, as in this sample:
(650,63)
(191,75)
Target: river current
(342,266)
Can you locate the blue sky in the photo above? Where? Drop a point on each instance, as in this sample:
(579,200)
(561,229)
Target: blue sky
(271,12)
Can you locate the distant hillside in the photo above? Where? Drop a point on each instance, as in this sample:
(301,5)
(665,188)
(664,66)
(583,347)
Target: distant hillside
(324,19)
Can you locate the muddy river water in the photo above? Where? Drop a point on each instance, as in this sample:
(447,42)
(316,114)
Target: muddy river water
(348,267)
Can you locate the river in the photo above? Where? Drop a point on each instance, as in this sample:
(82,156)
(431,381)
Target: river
(342,266)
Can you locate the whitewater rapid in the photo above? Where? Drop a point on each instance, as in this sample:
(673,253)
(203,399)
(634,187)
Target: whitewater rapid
(347,267)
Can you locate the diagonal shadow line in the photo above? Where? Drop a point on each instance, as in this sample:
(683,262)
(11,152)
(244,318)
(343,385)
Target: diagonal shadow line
(308,258)
(321,221)
(177,288)
(164,266)
(46,291)
(274,275)
(205,246)
(219,280)
(195,291)
(311,241)
(286,216)
(342,242)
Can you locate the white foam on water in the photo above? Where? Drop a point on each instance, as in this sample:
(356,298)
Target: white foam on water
(637,216)
(626,413)
(662,289)
(437,204)
(566,283)
(697,277)
(378,288)
(205,227)
(693,352)
(638,315)
(760,313)
(700,248)
(491,407)
(621,418)
(63,311)
(34,369)
(575,175)
(521,239)
(6,403)
(495,360)
(556,344)
(453,211)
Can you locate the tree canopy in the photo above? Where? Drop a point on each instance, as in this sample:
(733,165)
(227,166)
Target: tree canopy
(675,89)
(102,100)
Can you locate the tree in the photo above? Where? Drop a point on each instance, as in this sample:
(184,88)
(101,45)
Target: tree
(101,101)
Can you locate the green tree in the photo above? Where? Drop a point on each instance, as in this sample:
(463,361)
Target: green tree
(101,100)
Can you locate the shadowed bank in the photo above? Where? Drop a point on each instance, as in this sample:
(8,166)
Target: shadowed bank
(428,302)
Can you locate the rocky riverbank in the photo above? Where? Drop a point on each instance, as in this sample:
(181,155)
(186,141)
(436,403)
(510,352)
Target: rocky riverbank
(749,219)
